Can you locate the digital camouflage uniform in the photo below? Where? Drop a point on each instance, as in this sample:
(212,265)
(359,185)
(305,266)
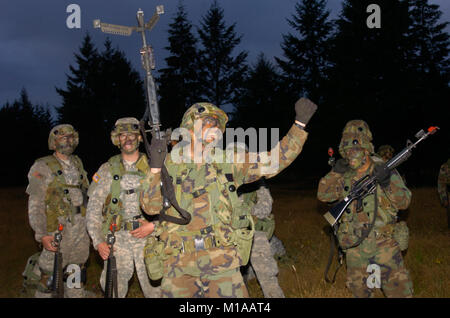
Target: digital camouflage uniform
(262,256)
(128,250)
(443,187)
(55,192)
(379,247)
(202,258)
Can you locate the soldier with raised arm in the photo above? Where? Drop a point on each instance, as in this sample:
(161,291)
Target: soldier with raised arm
(203,257)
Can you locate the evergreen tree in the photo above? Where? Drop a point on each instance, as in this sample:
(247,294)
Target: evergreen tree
(178,82)
(102,88)
(24,126)
(221,74)
(307,51)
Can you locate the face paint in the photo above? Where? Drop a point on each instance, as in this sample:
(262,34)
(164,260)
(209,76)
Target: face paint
(356,157)
(65,144)
(129,142)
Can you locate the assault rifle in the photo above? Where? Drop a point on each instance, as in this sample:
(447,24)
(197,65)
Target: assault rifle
(151,114)
(367,184)
(111,267)
(57,284)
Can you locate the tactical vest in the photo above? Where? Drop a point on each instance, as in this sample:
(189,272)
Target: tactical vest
(230,220)
(57,198)
(113,204)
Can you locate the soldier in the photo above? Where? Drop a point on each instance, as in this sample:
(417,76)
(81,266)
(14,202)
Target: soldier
(443,186)
(57,195)
(386,152)
(368,237)
(203,258)
(114,194)
(262,255)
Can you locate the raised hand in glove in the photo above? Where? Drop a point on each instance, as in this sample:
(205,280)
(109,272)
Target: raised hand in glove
(341,166)
(158,151)
(304,110)
(383,175)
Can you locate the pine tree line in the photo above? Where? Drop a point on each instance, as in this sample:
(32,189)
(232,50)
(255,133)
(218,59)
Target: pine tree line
(396,78)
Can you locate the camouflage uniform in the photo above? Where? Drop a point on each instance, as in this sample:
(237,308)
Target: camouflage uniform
(56,197)
(443,187)
(202,258)
(128,250)
(379,247)
(262,257)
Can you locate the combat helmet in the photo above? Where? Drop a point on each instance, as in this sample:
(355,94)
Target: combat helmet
(385,150)
(202,110)
(356,133)
(126,124)
(63,129)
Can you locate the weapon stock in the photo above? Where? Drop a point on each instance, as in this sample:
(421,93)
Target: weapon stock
(367,184)
(57,285)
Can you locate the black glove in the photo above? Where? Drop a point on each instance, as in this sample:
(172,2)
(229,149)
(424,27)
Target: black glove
(341,166)
(383,175)
(304,110)
(158,151)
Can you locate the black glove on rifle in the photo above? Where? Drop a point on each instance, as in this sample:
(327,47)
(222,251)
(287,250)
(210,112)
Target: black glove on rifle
(158,151)
(341,166)
(304,110)
(382,175)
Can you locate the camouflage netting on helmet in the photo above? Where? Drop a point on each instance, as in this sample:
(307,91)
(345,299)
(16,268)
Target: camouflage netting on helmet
(124,125)
(201,110)
(356,133)
(61,130)
(385,150)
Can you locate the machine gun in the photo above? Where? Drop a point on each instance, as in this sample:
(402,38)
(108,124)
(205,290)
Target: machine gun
(367,184)
(111,267)
(151,114)
(57,283)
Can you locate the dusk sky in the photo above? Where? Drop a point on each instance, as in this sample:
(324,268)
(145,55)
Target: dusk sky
(36,47)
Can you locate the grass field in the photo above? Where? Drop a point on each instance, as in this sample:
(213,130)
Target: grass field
(300,226)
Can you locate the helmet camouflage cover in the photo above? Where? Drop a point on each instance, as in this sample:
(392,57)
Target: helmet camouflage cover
(61,130)
(126,124)
(202,110)
(386,150)
(356,133)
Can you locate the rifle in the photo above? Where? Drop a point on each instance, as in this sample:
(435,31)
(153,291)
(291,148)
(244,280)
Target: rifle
(57,284)
(367,184)
(111,267)
(151,114)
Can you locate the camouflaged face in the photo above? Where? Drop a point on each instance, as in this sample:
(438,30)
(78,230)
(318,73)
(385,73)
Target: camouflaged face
(201,110)
(356,133)
(127,124)
(61,130)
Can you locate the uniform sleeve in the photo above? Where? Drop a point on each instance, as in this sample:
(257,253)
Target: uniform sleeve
(98,191)
(39,177)
(263,206)
(271,163)
(397,192)
(151,197)
(442,182)
(331,187)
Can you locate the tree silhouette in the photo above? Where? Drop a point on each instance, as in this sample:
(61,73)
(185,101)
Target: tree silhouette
(221,74)
(178,82)
(102,88)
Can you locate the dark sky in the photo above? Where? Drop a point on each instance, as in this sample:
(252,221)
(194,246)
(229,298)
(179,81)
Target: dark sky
(36,47)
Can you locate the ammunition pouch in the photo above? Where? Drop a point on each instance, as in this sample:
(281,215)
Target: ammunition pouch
(401,235)
(31,279)
(243,239)
(154,258)
(266,225)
